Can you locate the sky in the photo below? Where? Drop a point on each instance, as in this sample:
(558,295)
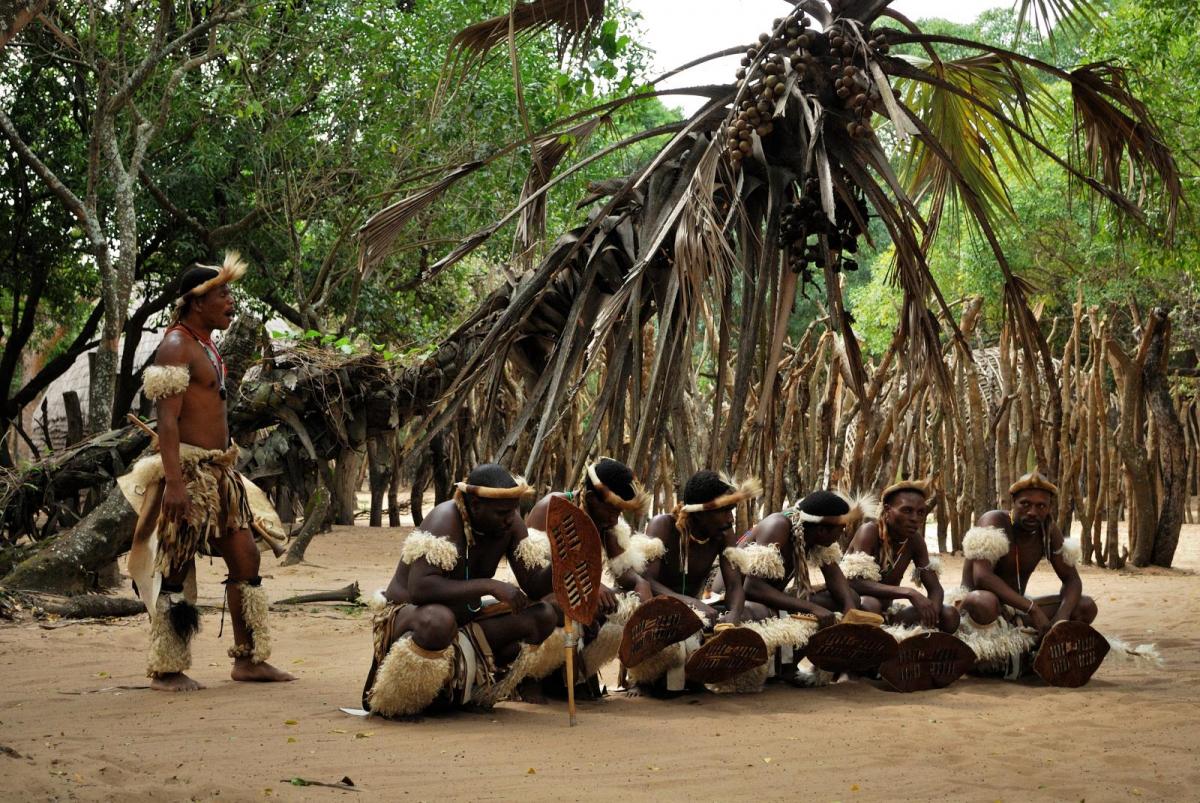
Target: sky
(681,30)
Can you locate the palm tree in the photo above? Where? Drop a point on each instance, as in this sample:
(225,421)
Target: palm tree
(697,257)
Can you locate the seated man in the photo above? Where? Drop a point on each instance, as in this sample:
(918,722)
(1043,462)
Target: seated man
(608,490)
(436,644)
(694,538)
(883,548)
(782,544)
(1002,624)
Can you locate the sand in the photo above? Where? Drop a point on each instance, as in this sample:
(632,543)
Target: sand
(76,735)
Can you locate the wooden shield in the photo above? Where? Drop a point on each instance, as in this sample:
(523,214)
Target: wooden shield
(576,559)
(927,661)
(727,655)
(655,625)
(850,648)
(1069,654)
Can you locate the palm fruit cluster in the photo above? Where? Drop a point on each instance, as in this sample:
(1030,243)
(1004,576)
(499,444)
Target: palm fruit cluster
(803,222)
(829,65)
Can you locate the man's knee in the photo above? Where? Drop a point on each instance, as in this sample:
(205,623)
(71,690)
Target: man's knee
(870,604)
(240,554)
(1086,610)
(544,618)
(982,606)
(434,627)
(949,619)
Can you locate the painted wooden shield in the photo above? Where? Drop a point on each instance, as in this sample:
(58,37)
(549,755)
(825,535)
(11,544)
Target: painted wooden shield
(1069,654)
(576,559)
(726,655)
(850,648)
(927,661)
(655,625)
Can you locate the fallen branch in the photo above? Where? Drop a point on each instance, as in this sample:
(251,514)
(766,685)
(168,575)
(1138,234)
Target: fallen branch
(314,520)
(348,594)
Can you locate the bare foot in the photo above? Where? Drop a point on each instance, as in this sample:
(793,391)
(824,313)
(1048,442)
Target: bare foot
(244,670)
(174,681)
(530,691)
(636,690)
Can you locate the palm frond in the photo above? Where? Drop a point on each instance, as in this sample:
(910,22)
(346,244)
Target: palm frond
(1046,15)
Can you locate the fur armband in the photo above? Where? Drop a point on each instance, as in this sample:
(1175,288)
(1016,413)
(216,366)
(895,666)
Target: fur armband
(1072,551)
(637,551)
(860,566)
(438,552)
(825,554)
(935,566)
(534,551)
(757,560)
(985,543)
(161,381)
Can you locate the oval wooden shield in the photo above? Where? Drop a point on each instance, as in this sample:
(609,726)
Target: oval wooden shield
(927,661)
(1070,654)
(655,625)
(850,648)
(576,559)
(727,655)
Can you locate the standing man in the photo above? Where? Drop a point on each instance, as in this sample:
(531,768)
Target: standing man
(884,547)
(437,641)
(189,497)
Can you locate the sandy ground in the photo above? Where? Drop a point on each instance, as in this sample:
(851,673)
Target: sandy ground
(1131,733)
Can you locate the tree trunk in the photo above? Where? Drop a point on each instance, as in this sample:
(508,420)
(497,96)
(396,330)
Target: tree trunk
(380,469)
(1172,458)
(315,516)
(345,483)
(69,562)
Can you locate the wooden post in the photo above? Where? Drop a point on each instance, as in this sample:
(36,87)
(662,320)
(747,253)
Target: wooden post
(570,641)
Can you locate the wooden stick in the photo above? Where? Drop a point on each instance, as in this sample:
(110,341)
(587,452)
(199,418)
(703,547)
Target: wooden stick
(570,642)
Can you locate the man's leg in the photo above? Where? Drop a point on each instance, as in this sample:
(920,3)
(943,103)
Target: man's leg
(247,609)
(414,666)
(506,634)
(909,616)
(1085,610)
(170,650)
(982,606)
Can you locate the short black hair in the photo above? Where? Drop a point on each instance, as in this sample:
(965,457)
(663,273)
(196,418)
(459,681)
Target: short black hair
(705,486)
(616,476)
(824,503)
(491,475)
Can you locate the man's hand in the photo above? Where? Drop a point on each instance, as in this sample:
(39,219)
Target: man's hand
(643,590)
(926,609)
(706,612)
(1038,618)
(175,503)
(608,600)
(824,618)
(510,595)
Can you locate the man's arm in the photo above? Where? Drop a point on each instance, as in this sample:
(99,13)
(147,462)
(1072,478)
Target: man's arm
(866,542)
(530,566)
(776,531)
(662,527)
(735,594)
(172,352)
(929,578)
(427,578)
(839,587)
(1064,567)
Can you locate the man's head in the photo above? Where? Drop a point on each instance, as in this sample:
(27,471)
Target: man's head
(709,502)
(824,514)
(203,294)
(612,490)
(905,511)
(493,500)
(1033,500)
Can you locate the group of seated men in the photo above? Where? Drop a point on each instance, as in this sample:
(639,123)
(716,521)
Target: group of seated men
(449,633)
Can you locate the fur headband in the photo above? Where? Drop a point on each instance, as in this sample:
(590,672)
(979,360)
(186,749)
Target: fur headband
(486,492)
(746,489)
(861,507)
(232,269)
